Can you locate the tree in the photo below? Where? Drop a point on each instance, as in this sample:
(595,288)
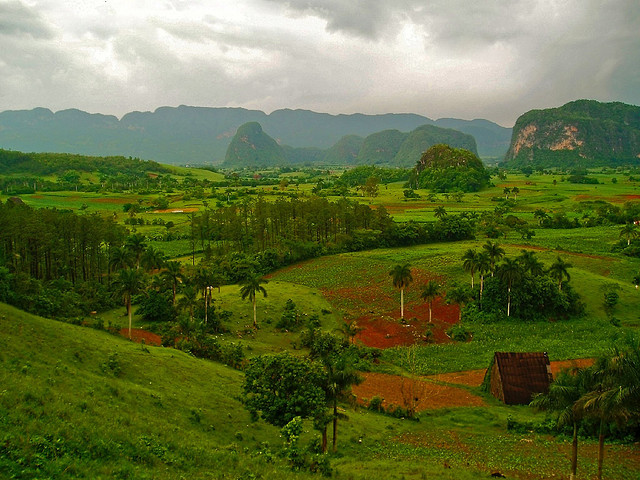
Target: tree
(429,293)
(483,264)
(339,374)
(470,263)
(129,283)
(120,258)
(509,272)
(558,271)
(495,253)
(350,330)
(459,294)
(515,191)
(282,386)
(629,231)
(173,274)
(530,263)
(401,277)
(189,300)
(152,258)
(616,395)
(562,398)
(251,286)
(439,212)
(136,245)
(506,192)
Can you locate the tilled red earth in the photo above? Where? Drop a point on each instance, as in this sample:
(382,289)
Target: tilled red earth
(138,335)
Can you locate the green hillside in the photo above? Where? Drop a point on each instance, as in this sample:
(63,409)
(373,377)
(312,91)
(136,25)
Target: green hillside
(583,133)
(251,146)
(381,147)
(420,139)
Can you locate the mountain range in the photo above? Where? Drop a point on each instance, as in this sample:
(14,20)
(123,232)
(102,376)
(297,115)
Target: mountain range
(202,135)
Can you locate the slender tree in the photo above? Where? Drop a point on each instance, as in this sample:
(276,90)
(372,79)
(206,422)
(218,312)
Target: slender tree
(439,212)
(460,295)
(173,275)
(510,272)
(495,253)
(128,283)
(429,293)
(562,399)
(558,271)
(401,277)
(470,263)
(629,231)
(135,243)
(250,287)
(530,263)
(483,266)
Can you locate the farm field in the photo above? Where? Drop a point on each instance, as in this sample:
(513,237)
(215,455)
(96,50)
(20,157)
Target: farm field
(170,415)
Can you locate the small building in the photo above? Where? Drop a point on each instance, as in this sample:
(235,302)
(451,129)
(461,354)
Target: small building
(513,378)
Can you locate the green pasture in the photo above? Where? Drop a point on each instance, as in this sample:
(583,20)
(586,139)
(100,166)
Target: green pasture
(79,402)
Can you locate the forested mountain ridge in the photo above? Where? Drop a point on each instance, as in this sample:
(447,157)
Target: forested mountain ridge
(201,135)
(585,133)
(251,146)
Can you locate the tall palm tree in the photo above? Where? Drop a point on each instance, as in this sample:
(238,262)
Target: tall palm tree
(483,264)
(120,258)
(629,231)
(251,286)
(129,283)
(459,294)
(135,243)
(495,253)
(562,399)
(510,272)
(350,330)
(152,258)
(401,277)
(470,263)
(515,191)
(429,293)
(173,274)
(558,271)
(189,300)
(530,263)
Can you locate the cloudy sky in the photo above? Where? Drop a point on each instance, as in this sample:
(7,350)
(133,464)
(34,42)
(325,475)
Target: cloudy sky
(491,59)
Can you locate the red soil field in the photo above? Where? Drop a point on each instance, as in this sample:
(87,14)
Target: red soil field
(386,330)
(397,390)
(138,334)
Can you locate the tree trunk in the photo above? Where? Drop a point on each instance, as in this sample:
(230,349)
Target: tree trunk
(255,322)
(574,452)
(402,303)
(129,313)
(509,302)
(429,312)
(324,439)
(600,449)
(335,425)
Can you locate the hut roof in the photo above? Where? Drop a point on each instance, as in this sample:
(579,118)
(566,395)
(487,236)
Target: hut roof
(522,375)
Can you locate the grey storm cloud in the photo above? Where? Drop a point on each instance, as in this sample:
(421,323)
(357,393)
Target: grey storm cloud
(494,59)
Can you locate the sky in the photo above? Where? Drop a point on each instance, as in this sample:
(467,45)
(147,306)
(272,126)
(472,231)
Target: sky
(493,59)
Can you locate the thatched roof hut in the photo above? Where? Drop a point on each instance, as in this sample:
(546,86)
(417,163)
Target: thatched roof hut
(513,378)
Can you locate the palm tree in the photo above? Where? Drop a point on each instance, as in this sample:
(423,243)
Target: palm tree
(251,286)
(439,212)
(459,294)
(484,266)
(189,300)
(152,258)
(495,253)
(401,277)
(558,271)
(510,272)
(470,263)
(429,293)
(120,258)
(562,399)
(506,192)
(136,245)
(629,231)
(530,263)
(129,283)
(515,191)
(173,274)
(350,330)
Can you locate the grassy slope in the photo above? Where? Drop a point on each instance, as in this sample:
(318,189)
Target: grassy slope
(66,412)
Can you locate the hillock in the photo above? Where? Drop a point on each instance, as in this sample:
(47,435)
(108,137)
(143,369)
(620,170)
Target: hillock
(424,137)
(446,169)
(583,133)
(252,147)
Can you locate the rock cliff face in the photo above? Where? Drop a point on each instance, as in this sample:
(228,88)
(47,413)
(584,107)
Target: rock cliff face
(584,132)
